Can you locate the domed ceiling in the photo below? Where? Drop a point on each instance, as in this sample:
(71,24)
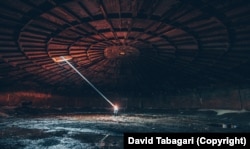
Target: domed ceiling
(125,44)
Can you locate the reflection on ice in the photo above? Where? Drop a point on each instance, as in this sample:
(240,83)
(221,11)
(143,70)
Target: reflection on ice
(224,111)
(105,130)
(53,143)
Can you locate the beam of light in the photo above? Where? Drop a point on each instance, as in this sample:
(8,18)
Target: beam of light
(88,81)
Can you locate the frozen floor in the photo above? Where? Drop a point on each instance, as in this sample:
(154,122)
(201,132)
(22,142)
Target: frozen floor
(103,130)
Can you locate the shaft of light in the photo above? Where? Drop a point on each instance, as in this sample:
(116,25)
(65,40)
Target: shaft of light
(88,82)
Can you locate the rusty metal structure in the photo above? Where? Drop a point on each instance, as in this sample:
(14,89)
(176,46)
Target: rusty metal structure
(126,44)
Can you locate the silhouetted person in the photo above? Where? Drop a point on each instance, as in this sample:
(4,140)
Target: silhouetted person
(116,110)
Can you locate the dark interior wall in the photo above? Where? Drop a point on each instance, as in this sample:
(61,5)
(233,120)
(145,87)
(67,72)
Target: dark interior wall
(212,97)
(46,100)
(231,98)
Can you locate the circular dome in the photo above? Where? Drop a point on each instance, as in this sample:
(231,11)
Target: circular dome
(140,44)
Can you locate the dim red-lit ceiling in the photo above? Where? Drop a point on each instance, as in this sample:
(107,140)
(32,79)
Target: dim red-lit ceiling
(128,44)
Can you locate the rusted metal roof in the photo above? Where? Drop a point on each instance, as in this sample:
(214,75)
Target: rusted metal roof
(128,44)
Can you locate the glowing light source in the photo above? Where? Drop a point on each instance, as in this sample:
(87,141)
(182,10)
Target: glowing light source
(122,53)
(61,59)
(116,107)
(64,59)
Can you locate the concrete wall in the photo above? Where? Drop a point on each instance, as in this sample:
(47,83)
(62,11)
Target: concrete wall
(39,99)
(226,98)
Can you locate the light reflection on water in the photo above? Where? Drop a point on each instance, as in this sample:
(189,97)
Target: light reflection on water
(103,130)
